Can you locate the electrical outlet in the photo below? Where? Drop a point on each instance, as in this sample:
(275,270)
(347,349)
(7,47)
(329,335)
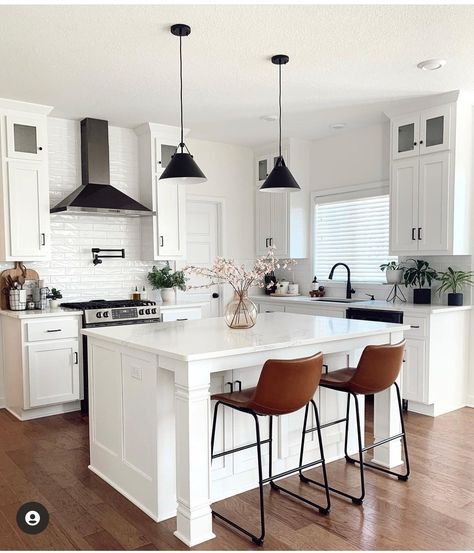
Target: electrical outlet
(137,373)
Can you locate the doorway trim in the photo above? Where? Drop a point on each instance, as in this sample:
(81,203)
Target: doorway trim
(220,204)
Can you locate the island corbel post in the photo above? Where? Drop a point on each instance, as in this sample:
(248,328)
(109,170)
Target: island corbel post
(163,372)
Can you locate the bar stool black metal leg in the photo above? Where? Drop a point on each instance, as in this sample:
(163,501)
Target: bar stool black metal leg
(404,437)
(321,450)
(303,438)
(214,421)
(270,453)
(259,541)
(360,499)
(346,454)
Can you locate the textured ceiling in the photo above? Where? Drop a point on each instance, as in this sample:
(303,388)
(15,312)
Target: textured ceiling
(120,63)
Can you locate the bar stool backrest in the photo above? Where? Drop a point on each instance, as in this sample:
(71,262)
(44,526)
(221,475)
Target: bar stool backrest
(285,386)
(378,368)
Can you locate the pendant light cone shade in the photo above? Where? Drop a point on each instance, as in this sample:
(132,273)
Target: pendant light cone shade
(182,166)
(280,179)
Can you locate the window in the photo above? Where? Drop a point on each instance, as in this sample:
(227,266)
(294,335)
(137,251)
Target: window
(354,231)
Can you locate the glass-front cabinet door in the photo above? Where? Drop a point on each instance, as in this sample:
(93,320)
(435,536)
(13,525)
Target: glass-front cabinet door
(26,138)
(435,129)
(405,133)
(163,154)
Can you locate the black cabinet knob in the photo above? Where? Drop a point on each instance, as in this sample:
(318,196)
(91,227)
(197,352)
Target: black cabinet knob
(414,143)
(421,141)
(40,148)
(215,295)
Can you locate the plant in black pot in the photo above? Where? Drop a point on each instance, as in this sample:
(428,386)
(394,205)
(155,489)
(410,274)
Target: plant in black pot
(455,281)
(418,276)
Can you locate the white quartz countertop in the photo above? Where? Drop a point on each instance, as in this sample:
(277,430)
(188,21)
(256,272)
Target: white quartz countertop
(366,304)
(211,338)
(39,313)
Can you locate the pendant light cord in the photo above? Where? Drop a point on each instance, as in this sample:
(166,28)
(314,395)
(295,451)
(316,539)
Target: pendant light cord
(279,105)
(181,88)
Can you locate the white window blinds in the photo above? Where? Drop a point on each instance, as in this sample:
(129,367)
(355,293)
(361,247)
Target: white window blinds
(355,232)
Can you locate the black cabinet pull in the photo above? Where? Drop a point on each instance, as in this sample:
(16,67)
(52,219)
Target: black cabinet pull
(419,234)
(326,368)
(215,295)
(54,330)
(76,358)
(239,382)
(231,384)
(421,141)
(43,239)
(414,326)
(181,319)
(162,241)
(413,233)
(40,149)
(414,143)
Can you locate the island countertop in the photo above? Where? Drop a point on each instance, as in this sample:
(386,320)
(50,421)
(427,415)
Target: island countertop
(211,338)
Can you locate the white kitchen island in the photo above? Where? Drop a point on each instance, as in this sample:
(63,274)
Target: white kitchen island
(150,409)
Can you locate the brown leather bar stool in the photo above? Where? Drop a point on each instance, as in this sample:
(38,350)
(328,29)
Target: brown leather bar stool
(377,370)
(283,387)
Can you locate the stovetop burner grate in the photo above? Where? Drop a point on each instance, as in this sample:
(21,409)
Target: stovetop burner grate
(106,304)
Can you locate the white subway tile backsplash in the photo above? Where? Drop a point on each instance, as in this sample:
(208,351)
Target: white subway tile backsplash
(72,236)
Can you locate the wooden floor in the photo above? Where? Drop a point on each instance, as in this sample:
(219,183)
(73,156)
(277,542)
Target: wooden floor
(46,461)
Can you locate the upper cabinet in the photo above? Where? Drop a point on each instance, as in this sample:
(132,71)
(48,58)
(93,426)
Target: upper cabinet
(282,218)
(423,132)
(430,188)
(164,233)
(24,182)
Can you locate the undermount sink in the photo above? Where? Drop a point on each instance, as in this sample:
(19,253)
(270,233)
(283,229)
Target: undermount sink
(338,300)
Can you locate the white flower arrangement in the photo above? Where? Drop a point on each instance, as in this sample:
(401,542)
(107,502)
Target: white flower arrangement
(225,270)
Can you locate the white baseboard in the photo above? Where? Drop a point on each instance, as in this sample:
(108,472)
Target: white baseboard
(48,411)
(470,401)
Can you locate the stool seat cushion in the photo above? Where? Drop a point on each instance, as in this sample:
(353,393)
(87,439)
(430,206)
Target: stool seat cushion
(339,379)
(241,399)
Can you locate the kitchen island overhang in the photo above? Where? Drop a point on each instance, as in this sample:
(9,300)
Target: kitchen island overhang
(150,395)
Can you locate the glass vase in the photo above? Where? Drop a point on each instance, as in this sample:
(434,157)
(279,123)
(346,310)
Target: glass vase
(240,312)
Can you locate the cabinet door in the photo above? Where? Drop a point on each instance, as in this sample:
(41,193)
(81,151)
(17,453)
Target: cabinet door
(404,206)
(279,223)
(26,137)
(434,219)
(28,210)
(263,168)
(263,221)
(413,371)
(170,218)
(435,129)
(163,153)
(405,136)
(53,369)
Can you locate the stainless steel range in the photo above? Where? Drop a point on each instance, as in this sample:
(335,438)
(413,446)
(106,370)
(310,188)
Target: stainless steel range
(111,313)
(115,312)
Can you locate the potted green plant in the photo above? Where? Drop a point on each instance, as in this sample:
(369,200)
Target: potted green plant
(455,281)
(54,296)
(167,281)
(393,272)
(418,276)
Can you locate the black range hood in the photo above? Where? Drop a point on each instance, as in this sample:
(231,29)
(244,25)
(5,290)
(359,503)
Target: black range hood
(97,195)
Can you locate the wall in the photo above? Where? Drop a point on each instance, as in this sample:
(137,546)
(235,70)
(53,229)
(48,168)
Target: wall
(230,173)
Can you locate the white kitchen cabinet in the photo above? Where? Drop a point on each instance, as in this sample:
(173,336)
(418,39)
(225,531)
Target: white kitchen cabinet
(430,195)
(420,199)
(53,372)
(28,210)
(164,233)
(413,381)
(42,363)
(180,313)
(24,185)
(282,218)
(26,137)
(421,132)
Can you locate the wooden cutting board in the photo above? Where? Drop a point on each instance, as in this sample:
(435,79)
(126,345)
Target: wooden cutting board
(17,271)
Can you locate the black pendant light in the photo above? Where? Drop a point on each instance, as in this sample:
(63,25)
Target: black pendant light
(182,166)
(280,179)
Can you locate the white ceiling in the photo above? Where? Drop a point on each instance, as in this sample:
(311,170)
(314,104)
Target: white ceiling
(120,63)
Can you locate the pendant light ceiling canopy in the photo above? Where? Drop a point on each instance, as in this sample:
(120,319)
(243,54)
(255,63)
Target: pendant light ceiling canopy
(182,166)
(280,179)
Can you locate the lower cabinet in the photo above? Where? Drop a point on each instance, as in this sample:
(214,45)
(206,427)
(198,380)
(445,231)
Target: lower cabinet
(53,372)
(413,381)
(41,364)
(181,313)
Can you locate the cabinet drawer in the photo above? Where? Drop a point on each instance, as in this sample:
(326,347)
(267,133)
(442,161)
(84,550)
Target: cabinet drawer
(187,314)
(53,329)
(418,327)
(270,307)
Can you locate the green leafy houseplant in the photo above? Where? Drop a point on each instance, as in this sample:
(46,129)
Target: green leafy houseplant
(393,271)
(166,278)
(420,275)
(55,294)
(455,281)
